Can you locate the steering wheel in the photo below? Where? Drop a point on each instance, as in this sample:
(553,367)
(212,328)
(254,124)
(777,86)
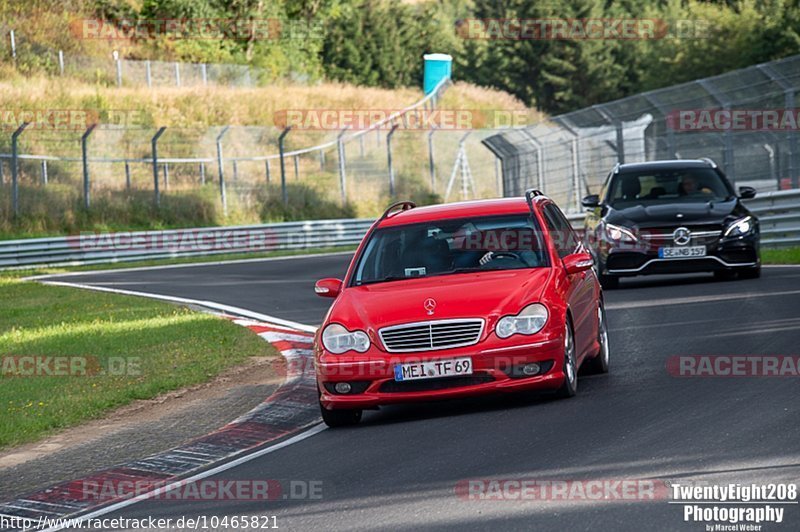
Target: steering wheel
(507,255)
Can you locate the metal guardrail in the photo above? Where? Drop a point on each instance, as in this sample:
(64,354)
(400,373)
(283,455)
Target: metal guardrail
(779,213)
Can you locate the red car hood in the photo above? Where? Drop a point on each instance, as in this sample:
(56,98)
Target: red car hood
(483,294)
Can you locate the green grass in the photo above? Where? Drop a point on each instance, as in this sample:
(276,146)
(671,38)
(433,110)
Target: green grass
(781,256)
(171,347)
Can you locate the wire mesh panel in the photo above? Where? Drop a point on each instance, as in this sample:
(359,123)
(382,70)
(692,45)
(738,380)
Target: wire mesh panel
(746,120)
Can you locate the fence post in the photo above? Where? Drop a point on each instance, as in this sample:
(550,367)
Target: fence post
(322,159)
(539,158)
(177,74)
(148,74)
(618,126)
(575,149)
(268,170)
(221,166)
(119,72)
(15,166)
(13,46)
(44,172)
(389,158)
(85,157)
(127,176)
(166,176)
(202,173)
(788,104)
(2,174)
(154,143)
(204,72)
(342,173)
(297,167)
(431,162)
(235,170)
(281,138)
(61,61)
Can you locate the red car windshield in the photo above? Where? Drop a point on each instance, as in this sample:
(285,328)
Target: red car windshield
(445,247)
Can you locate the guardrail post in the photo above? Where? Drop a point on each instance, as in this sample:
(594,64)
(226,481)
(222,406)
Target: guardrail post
(148,74)
(322,159)
(15,166)
(177,74)
(389,158)
(204,72)
(119,72)
(13,46)
(127,176)
(235,170)
(85,157)
(342,173)
(44,172)
(61,61)
(202,173)
(154,144)
(281,139)
(431,162)
(268,170)
(221,166)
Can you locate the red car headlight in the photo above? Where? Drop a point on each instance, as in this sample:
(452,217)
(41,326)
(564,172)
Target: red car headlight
(529,321)
(338,340)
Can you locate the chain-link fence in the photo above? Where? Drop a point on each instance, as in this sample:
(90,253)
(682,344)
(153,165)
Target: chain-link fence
(268,172)
(746,120)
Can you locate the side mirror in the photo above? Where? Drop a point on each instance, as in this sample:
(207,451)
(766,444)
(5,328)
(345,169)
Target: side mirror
(591,201)
(747,192)
(328,287)
(578,262)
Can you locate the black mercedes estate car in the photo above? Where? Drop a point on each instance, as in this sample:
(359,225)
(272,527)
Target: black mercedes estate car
(674,216)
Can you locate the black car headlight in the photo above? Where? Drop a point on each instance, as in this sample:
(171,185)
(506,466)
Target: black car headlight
(529,321)
(338,340)
(741,227)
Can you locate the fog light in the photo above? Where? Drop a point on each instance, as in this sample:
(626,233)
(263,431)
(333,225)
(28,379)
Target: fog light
(530,369)
(344,387)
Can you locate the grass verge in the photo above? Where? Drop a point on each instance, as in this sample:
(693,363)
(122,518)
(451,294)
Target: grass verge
(781,256)
(117,349)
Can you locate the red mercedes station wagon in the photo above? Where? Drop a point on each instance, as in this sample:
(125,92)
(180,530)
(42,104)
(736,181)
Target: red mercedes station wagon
(456,300)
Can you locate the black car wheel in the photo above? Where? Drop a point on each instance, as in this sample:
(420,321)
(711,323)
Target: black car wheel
(599,364)
(339,417)
(570,368)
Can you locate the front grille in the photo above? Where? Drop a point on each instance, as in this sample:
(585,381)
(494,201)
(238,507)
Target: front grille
(430,335)
(441,383)
(701,235)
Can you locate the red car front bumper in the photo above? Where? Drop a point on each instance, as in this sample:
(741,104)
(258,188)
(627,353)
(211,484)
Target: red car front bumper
(371,374)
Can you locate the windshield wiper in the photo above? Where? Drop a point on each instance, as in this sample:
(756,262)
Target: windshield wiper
(387,279)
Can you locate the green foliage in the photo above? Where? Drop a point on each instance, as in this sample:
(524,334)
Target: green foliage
(305,203)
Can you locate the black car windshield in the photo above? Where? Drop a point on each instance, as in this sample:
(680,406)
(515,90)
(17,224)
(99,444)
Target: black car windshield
(446,247)
(667,186)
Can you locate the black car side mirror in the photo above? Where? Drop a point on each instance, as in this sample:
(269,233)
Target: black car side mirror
(747,192)
(591,201)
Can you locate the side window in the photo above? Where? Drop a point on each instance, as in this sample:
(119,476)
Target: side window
(563,235)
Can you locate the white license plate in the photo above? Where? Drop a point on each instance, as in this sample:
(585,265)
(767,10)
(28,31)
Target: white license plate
(682,252)
(431,370)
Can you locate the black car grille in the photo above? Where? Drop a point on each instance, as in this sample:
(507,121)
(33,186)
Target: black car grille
(702,235)
(441,383)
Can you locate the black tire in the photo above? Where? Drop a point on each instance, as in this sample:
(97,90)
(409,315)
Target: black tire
(570,367)
(599,364)
(751,273)
(609,282)
(340,417)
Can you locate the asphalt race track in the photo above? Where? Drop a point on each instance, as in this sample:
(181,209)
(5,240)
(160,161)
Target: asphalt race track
(399,469)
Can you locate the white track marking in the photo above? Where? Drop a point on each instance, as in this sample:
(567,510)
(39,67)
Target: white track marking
(227,465)
(186,301)
(205,474)
(187,265)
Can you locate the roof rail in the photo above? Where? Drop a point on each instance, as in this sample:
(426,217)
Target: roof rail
(529,195)
(404,206)
(616,169)
(710,161)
